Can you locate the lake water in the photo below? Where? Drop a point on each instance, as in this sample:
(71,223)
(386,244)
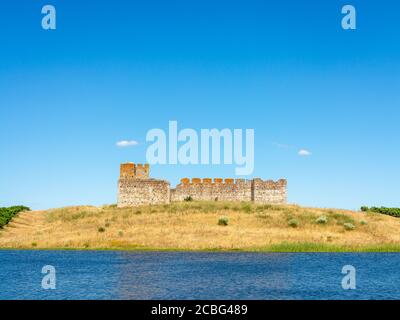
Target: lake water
(183,275)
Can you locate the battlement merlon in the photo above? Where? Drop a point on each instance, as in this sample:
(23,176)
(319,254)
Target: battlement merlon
(134,171)
(281,183)
(270,184)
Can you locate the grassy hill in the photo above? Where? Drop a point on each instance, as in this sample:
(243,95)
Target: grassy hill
(201,226)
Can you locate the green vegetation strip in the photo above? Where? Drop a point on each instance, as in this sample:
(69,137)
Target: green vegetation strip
(6,214)
(285,247)
(394,212)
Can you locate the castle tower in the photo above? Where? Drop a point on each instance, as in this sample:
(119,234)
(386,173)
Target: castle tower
(127,170)
(135,187)
(142,171)
(135,171)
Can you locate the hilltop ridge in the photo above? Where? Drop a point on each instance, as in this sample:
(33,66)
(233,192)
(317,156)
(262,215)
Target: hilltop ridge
(203,226)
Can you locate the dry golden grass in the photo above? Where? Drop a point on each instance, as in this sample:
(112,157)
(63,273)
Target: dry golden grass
(194,226)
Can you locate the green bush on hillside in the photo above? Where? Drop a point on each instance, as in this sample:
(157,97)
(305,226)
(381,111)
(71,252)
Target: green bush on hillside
(223,221)
(293,223)
(349,226)
(322,220)
(246,208)
(394,212)
(6,214)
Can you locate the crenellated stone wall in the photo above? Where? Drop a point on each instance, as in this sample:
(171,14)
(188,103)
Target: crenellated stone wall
(256,190)
(136,188)
(208,189)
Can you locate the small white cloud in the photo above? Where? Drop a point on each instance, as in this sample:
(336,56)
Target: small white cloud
(126,143)
(304,153)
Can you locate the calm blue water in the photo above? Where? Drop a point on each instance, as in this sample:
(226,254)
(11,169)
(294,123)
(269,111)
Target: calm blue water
(182,275)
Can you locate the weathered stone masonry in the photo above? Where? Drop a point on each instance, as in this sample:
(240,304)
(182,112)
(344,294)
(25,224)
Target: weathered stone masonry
(136,188)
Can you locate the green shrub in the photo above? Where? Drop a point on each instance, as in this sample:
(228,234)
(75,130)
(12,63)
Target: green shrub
(3,221)
(101,229)
(364,208)
(264,207)
(223,221)
(349,226)
(322,220)
(293,223)
(120,233)
(246,208)
(188,199)
(363,222)
(6,214)
(34,244)
(342,218)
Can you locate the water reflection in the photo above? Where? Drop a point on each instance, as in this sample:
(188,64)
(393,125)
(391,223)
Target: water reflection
(202,275)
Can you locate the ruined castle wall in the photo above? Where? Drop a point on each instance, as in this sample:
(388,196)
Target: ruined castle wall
(136,188)
(206,189)
(255,190)
(269,191)
(135,192)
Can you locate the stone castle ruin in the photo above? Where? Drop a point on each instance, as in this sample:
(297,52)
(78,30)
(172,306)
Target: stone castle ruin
(135,187)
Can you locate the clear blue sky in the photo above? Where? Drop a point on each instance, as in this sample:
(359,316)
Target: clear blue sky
(112,70)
